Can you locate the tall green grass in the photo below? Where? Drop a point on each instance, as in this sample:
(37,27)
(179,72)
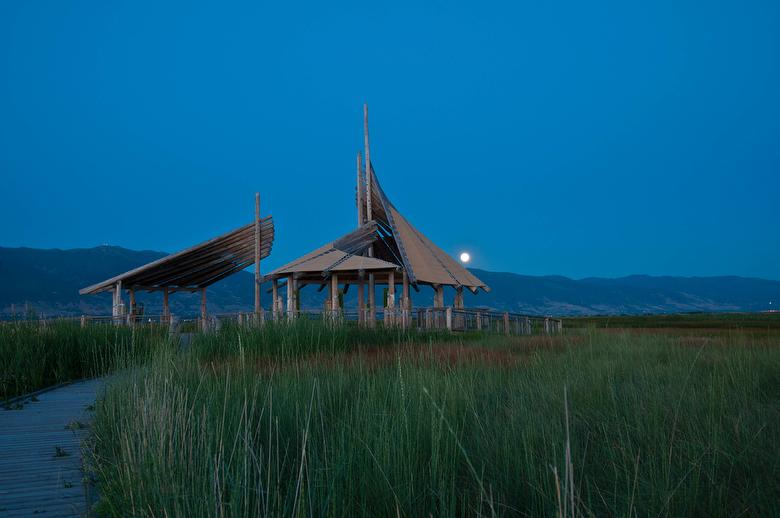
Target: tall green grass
(33,356)
(693,321)
(600,425)
(301,337)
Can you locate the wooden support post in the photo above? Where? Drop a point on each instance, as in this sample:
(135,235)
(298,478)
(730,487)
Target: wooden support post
(131,312)
(359,191)
(406,302)
(275,299)
(361,303)
(118,310)
(459,297)
(83,321)
(369,214)
(203,314)
(506,323)
(449,318)
(390,310)
(479,321)
(546,326)
(334,296)
(258,238)
(438,303)
(371,301)
(166,311)
(290,297)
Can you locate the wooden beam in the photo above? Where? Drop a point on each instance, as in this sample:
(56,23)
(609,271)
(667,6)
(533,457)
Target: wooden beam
(198,250)
(438,298)
(203,314)
(290,297)
(390,310)
(334,295)
(369,214)
(359,193)
(257,256)
(360,301)
(275,298)
(371,301)
(406,301)
(166,309)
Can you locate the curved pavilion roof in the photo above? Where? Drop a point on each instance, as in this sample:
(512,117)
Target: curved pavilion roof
(423,261)
(341,255)
(199,266)
(397,244)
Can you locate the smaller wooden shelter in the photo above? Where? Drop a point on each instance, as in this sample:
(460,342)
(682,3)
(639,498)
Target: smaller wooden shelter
(195,268)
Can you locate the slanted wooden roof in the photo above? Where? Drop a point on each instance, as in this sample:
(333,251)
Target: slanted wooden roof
(340,255)
(199,266)
(423,261)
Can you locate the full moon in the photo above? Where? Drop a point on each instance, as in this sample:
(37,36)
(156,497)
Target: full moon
(465,257)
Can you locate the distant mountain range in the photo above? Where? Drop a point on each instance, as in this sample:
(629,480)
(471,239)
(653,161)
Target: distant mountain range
(48,281)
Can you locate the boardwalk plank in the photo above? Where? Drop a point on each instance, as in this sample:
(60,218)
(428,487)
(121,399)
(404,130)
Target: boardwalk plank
(32,478)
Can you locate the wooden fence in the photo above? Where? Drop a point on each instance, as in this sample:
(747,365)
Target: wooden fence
(427,318)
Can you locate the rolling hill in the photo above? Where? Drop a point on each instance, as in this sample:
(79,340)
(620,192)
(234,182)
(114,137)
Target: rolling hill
(48,282)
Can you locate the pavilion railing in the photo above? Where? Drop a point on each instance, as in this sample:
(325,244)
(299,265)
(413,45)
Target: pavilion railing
(424,318)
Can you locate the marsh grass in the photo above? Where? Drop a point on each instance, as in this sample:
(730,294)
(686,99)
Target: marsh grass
(302,337)
(600,424)
(34,356)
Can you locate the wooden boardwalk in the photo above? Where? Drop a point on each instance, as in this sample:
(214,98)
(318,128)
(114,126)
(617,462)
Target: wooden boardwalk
(40,453)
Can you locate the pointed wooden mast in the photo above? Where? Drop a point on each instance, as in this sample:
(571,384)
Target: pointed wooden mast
(258,310)
(369,217)
(359,192)
(361,220)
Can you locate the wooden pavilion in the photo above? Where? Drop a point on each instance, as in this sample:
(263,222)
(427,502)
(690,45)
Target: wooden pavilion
(385,249)
(195,268)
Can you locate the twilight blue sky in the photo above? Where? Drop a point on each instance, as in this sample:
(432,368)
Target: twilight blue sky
(573,138)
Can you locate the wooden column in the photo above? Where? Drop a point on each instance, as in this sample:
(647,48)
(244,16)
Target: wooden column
(406,302)
(361,299)
(131,313)
(459,297)
(371,301)
(290,297)
(369,215)
(119,307)
(334,295)
(390,319)
(438,302)
(203,314)
(506,323)
(258,308)
(166,311)
(275,299)
(359,190)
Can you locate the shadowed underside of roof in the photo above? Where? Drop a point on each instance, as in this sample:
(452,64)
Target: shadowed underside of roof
(199,266)
(423,260)
(340,255)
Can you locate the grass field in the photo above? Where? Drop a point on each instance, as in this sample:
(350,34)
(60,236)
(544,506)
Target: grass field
(34,356)
(694,321)
(313,420)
